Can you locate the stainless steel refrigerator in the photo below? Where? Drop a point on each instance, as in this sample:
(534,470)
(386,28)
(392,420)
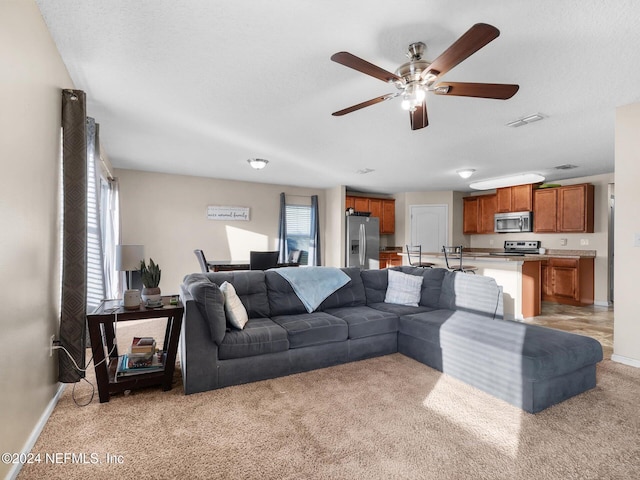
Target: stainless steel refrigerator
(363,242)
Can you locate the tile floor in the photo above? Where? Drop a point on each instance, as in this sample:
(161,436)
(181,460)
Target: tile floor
(593,321)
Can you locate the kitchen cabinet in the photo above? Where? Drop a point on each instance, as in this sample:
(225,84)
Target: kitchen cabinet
(567,209)
(390,259)
(478,213)
(568,280)
(382,208)
(518,198)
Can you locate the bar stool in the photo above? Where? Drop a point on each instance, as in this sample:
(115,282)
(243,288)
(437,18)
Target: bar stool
(455,253)
(415,251)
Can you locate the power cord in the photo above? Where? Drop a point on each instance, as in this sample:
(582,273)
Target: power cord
(58,346)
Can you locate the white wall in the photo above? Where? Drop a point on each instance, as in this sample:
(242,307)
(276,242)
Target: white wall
(598,240)
(167,214)
(32,75)
(626,339)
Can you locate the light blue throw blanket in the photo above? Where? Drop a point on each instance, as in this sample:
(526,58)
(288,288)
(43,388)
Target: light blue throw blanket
(313,284)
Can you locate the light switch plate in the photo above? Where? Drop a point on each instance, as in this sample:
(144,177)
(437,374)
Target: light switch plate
(636,239)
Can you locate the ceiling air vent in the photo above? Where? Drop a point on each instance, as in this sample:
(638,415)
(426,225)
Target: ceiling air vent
(566,166)
(535,117)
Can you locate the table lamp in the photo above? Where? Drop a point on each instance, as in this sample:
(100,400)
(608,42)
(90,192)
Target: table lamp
(128,258)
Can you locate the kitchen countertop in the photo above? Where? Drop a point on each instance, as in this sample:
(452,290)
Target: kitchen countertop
(485,254)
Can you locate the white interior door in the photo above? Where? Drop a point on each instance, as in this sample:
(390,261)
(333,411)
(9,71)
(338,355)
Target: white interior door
(429,226)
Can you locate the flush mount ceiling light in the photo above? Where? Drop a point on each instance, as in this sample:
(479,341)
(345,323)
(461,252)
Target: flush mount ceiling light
(258,163)
(364,171)
(535,117)
(519,179)
(465,172)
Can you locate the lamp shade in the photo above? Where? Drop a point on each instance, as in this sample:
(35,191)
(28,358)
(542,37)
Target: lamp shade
(128,257)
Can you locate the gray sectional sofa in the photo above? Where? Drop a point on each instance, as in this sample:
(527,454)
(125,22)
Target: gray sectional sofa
(457,328)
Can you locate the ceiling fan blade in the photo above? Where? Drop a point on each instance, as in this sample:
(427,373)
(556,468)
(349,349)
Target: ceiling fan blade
(499,91)
(473,40)
(351,61)
(419,117)
(368,103)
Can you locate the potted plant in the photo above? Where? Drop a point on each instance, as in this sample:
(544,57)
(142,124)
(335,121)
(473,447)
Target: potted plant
(150,280)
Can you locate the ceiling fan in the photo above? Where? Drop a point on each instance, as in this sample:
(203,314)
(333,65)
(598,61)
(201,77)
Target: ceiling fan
(418,76)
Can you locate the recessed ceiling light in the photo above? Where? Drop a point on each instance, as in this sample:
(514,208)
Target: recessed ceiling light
(465,172)
(519,179)
(566,166)
(535,117)
(364,171)
(258,163)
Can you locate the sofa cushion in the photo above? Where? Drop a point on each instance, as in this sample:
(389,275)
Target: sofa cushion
(250,287)
(375,284)
(425,325)
(350,295)
(365,321)
(471,293)
(259,336)
(233,308)
(314,328)
(403,289)
(399,310)
(282,298)
(210,301)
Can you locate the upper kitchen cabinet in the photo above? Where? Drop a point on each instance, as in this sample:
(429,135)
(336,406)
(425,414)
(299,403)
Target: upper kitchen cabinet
(478,213)
(518,198)
(383,208)
(567,209)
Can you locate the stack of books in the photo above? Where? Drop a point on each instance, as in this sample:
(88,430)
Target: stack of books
(142,358)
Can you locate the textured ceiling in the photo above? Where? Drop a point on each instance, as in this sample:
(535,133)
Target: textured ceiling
(198,87)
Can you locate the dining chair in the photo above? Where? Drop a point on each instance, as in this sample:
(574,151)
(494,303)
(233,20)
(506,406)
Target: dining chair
(202,260)
(263,260)
(455,254)
(414,255)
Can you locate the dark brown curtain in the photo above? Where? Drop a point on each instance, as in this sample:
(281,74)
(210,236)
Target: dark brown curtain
(74,231)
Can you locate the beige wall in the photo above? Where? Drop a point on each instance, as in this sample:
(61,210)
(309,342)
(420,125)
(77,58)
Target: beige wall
(30,82)
(626,341)
(334,230)
(167,214)
(598,240)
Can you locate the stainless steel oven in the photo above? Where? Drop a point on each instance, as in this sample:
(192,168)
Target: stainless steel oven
(513,222)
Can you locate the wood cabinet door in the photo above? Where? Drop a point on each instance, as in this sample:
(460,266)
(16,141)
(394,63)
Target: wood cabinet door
(470,215)
(503,198)
(545,280)
(544,210)
(522,198)
(395,260)
(375,207)
(575,208)
(361,204)
(487,210)
(349,202)
(388,220)
(564,282)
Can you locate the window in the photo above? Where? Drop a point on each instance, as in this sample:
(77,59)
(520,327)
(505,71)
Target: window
(299,230)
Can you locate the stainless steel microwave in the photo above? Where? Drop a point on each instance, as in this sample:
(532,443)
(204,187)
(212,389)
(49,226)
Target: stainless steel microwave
(513,222)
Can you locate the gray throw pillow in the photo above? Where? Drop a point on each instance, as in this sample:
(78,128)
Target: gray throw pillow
(210,301)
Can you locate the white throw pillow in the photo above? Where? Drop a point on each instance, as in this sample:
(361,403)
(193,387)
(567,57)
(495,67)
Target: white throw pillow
(403,289)
(233,307)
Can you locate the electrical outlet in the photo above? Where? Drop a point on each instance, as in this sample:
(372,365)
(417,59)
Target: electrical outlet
(563,242)
(584,241)
(491,242)
(51,340)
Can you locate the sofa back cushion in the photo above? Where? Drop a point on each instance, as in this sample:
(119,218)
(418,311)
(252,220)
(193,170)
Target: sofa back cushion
(376,281)
(249,285)
(283,300)
(473,293)
(350,295)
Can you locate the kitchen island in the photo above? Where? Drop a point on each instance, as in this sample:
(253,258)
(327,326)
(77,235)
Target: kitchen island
(523,277)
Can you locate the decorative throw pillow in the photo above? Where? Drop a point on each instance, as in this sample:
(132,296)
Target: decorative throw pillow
(403,288)
(236,313)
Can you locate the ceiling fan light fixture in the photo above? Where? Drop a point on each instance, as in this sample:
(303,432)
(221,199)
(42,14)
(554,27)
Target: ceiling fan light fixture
(466,172)
(413,97)
(510,181)
(258,163)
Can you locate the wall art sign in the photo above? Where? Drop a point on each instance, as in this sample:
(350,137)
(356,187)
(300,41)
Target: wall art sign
(215,212)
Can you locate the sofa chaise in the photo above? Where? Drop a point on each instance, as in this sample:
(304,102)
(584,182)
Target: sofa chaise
(455,326)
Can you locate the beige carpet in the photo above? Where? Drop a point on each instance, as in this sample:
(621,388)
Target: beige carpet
(384,418)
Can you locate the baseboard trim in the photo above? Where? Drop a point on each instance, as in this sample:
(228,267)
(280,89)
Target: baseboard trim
(31,441)
(626,360)
(601,303)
